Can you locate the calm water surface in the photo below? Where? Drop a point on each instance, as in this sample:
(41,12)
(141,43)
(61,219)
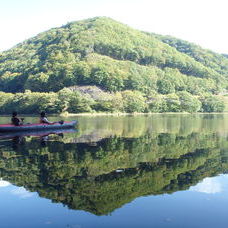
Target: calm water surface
(143,171)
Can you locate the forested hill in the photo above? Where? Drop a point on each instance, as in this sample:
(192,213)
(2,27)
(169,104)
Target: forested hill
(105,53)
(207,57)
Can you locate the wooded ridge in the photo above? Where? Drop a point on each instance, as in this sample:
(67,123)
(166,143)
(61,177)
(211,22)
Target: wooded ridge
(142,72)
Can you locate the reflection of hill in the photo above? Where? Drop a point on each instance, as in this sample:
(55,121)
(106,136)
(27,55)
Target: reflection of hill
(137,126)
(84,176)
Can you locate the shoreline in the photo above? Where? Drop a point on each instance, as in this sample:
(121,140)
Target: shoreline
(123,114)
(138,114)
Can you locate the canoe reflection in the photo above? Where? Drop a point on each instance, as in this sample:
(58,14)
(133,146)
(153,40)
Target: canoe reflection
(20,138)
(9,135)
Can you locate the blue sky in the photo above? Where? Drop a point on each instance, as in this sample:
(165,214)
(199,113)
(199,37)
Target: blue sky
(203,22)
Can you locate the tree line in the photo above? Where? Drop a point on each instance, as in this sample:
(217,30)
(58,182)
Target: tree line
(128,101)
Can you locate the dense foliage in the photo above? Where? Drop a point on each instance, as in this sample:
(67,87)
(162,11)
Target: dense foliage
(115,57)
(74,101)
(208,58)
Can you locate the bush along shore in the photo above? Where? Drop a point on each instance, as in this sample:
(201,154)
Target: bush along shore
(91,99)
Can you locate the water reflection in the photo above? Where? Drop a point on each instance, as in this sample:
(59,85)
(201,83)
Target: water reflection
(99,170)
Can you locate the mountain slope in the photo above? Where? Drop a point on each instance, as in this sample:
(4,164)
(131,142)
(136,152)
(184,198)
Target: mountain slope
(208,58)
(106,53)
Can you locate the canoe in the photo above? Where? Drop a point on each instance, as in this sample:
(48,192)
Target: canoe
(37,127)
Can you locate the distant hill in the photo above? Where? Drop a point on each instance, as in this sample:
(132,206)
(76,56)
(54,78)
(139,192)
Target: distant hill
(103,52)
(101,65)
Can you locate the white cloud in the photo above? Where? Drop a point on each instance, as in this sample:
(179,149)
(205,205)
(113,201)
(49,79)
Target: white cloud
(4,183)
(22,192)
(208,185)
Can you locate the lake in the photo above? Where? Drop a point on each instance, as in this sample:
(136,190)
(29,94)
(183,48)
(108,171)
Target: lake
(162,170)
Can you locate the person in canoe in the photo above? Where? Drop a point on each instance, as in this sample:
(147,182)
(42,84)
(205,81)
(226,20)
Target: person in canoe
(15,120)
(43,119)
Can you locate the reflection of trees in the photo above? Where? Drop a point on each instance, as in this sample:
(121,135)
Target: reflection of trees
(132,127)
(83,176)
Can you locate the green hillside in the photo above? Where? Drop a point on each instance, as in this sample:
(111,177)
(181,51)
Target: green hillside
(105,53)
(208,58)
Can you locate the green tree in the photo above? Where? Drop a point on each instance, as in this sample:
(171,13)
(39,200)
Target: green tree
(173,103)
(212,104)
(133,101)
(188,103)
(165,86)
(79,103)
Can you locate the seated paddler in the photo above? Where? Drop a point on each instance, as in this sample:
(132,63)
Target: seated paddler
(15,120)
(44,119)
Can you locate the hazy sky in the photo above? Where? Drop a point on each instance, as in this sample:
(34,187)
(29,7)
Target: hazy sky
(203,22)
